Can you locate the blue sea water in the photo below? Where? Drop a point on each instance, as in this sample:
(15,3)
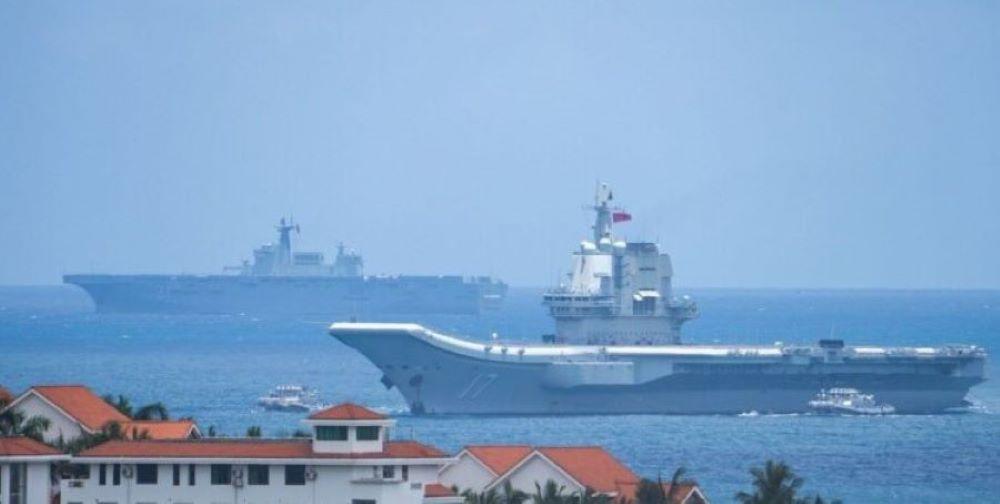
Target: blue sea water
(213,368)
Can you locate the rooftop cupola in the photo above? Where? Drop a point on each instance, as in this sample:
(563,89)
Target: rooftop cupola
(349,428)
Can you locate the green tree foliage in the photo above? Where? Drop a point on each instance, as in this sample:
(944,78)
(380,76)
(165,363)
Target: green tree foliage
(488,497)
(511,495)
(121,403)
(112,431)
(253,431)
(551,493)
(588,496)
(655,492)
(152,411)
(14,423)
(776,483)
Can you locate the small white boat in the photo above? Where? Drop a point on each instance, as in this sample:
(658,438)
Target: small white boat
(848,401)
(289,398)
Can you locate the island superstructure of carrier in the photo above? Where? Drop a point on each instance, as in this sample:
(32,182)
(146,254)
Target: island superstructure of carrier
(617,349)
(284,281)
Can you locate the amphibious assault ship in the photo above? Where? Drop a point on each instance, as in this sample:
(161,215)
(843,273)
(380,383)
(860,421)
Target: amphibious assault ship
(281,281)
(617,349)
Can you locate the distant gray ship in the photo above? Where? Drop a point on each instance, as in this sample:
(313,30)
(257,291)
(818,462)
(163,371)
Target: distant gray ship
(281,281)
(617,349)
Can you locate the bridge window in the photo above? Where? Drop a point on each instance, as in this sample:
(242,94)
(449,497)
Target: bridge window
(645,306)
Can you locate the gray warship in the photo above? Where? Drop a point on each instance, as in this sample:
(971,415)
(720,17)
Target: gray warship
(617,350)
(283,281)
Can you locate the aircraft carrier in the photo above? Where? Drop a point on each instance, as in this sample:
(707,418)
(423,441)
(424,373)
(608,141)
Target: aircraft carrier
(617,349)
(281,281)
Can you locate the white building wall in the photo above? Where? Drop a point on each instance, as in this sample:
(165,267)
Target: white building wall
(333,485)
(37,486)
(467,474)
(62,425)
(4,483)
(538,470)
(39,483)
(424,473)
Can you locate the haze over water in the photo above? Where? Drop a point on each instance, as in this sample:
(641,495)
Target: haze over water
(765,144)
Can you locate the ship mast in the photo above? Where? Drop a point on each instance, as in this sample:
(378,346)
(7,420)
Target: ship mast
(602,222)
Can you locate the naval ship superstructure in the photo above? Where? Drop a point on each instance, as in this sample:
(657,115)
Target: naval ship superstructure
(284,281)
(617,349)
(617,291)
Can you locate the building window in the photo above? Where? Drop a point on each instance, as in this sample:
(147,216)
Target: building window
(295,475)
(116,474)
(222,474)
(363,501)
(145,474)
(177,475)
(367,433)
(190,474)
(18,484)
(102,474)
(330,433)
(258,474)
(75,471)
(388,472)
(406,473)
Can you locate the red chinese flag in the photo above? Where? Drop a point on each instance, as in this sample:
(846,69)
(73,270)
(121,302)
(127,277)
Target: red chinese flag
(621,217)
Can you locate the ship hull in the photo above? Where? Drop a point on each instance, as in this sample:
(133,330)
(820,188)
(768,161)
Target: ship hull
(268,295)
(436,379)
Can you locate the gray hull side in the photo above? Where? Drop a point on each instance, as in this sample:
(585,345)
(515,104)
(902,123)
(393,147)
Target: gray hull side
(436,381)
(188,294)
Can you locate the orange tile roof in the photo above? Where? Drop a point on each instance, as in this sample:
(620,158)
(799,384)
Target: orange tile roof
(159,429)
(82,404)
(592,467)
(499,458)
(249,448)
(24,447)
(437,490)
(347,411)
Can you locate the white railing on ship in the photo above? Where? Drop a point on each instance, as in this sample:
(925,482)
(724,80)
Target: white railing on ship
(945,351)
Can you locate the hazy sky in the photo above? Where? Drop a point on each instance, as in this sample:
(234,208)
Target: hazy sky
(763,144)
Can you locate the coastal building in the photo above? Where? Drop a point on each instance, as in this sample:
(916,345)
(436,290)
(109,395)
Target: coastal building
(26,470)
(575,468)
(75,410)
(72,410)
(349,459)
